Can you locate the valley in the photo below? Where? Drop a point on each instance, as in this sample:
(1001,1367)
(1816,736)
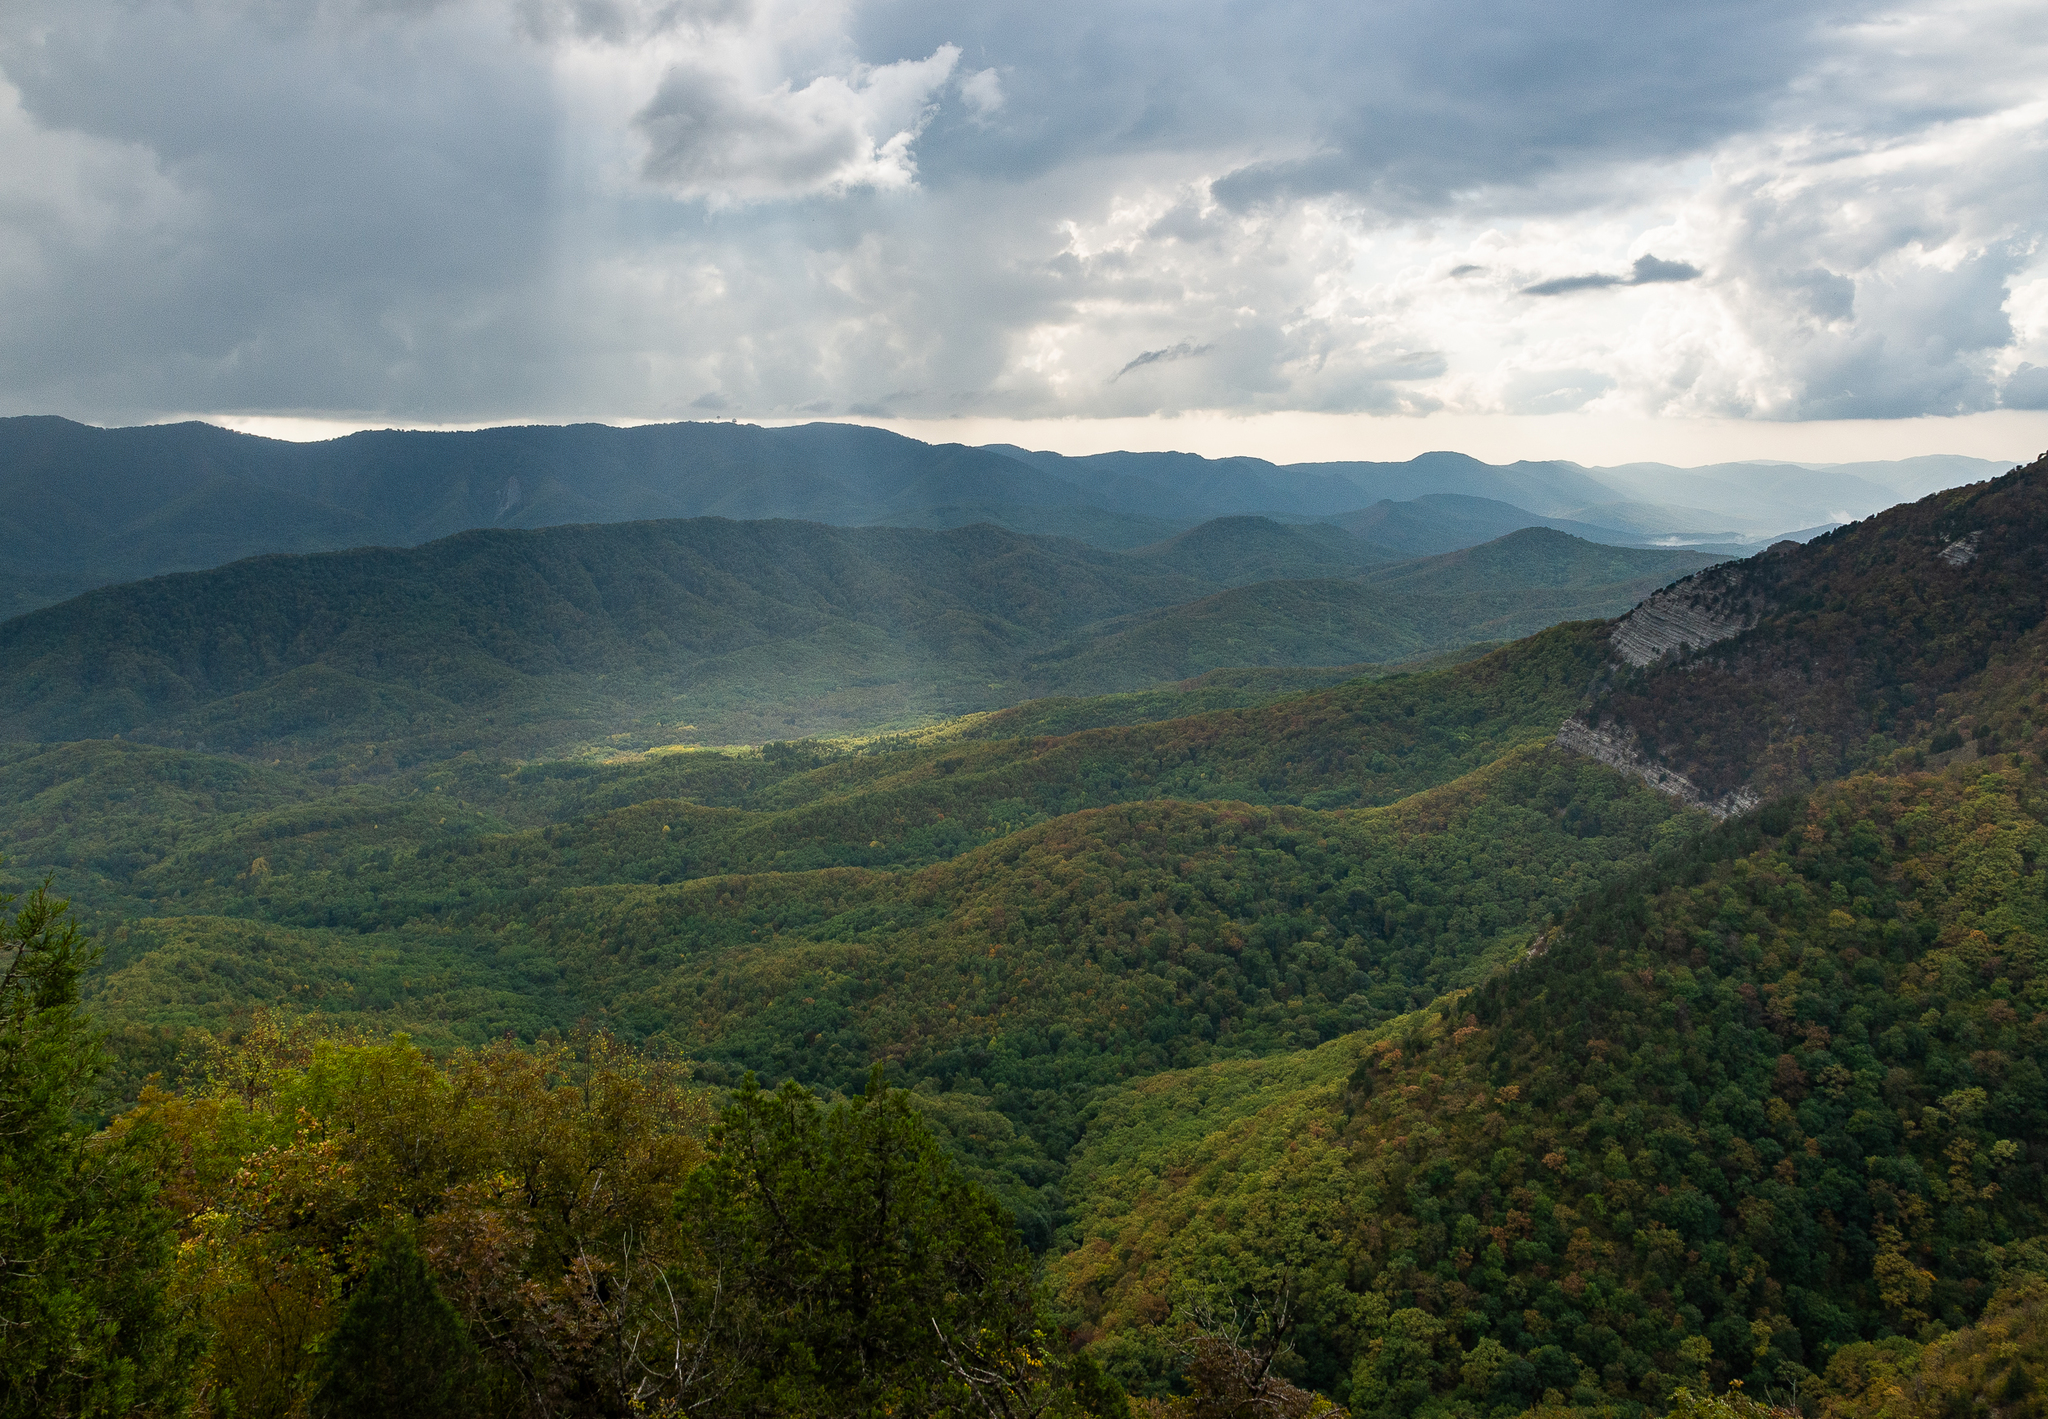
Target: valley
(1531,975)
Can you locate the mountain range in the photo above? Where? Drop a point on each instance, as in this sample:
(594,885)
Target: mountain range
(115,505)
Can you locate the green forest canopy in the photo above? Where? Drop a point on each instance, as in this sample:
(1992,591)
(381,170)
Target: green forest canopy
(1354,1041)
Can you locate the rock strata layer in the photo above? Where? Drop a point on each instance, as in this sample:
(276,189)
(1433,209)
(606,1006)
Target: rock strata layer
(1618,751)
(1700,611)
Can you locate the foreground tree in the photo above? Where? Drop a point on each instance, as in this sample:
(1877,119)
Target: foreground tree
(85,1254)
(562,1231)
(849,1269)
(398,1351)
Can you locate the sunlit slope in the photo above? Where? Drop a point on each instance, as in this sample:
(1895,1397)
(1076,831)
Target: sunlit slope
(522,644)
(1238,688)
(122,829)
(1097,946)
(508,641)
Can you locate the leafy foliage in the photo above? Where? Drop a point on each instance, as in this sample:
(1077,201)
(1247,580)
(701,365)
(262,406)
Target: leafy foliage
(856,1270)
(566,1231)
(1993,1367)
(398,1350)
(85,1328)
(1779,1099)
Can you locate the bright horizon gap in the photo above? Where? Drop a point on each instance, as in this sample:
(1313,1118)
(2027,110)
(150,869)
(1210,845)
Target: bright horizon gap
(1595,441)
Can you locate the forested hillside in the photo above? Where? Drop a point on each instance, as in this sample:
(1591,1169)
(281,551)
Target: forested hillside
(640,634)
(1797,667)
(1743,1115)
(1260,1045)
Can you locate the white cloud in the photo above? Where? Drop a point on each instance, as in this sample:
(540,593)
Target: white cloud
(460,209)
(982,92)
(712,136)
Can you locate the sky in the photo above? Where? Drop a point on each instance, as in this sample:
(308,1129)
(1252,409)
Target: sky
(1580,228)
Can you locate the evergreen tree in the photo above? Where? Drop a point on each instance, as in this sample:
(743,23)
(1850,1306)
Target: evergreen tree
(399,1350)
(84,1252)
(863,1273)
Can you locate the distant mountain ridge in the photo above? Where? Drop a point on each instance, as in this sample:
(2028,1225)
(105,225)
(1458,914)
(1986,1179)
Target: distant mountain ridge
(1445,522)
(112,505)
(116,504)
(1636,499)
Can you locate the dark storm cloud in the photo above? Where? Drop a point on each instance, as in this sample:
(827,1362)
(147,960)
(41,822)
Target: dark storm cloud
(467,209)
(311,212)
(1398,106)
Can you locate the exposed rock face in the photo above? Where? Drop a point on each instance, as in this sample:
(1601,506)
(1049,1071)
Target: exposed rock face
(1617,750)
(1962,551)
(1705,608)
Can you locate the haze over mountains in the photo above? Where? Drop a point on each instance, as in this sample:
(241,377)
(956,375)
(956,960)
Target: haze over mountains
(119,504)
(709,630)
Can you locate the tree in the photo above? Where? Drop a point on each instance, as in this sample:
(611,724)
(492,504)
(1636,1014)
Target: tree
(85,1254)
(399,1351)
(859,1272)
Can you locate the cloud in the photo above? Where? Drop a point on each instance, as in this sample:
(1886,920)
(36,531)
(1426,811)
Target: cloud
(1555,391)
(460,210)
(612,21)
(982,92)
(1416,106)
(710,136)
(2026,389)
(1565,285)
(1185,350)
(1648,271)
